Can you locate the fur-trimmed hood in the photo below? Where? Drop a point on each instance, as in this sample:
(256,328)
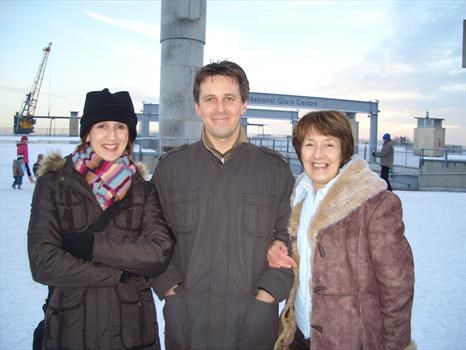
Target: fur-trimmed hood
(54,161)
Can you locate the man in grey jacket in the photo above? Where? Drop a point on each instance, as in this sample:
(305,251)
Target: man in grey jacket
(386,158)
(225,200)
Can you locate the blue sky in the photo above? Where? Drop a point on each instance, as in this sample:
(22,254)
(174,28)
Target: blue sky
(406,54)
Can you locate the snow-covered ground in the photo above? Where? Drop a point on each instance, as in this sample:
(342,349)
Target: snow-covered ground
(435,226)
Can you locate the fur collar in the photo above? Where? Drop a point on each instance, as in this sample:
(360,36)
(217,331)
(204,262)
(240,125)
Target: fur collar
(55,162)
(356,184)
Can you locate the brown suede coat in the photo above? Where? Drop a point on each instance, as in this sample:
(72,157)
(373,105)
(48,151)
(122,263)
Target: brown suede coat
(362,269)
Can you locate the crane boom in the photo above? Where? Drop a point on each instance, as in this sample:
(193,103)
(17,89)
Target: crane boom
(24,121)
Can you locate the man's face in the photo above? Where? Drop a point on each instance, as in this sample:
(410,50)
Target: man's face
(220,108)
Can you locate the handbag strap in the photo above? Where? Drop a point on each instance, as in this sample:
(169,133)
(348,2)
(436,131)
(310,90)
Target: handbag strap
(105,218)
(97,226)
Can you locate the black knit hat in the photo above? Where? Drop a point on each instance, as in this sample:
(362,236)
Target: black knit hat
(104,106)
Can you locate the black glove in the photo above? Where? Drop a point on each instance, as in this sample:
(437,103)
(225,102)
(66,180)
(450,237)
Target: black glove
(126,276)
(78,244)
(373,153)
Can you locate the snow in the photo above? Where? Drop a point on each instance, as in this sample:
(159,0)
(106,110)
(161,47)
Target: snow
(435,227)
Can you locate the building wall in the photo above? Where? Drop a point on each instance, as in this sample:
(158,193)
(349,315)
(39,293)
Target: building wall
(431,140)
(441,174)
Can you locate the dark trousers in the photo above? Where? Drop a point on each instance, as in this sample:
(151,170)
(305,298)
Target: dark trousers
(27,169)
(18,181)
(384,171)
(299,342)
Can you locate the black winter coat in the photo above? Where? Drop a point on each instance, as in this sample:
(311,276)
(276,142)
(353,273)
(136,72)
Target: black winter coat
(90,308)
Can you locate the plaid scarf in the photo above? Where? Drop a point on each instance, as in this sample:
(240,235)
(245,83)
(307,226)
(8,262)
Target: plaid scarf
(109,181)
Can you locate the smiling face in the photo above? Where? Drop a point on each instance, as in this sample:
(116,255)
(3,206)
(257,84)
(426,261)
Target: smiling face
(220,107)
(321,156)
(108,139)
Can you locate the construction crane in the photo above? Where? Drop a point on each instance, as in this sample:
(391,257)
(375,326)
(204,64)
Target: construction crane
(24,121)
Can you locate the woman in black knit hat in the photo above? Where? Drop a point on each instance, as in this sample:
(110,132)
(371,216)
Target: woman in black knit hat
(97,233)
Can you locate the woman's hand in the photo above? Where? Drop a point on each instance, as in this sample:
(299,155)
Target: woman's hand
(277,256)
(171,291)
(265,296)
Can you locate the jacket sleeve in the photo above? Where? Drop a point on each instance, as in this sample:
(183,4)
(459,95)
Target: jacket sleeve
(146,255)
(394,270)
(50,264)
(278,281)
(172,276)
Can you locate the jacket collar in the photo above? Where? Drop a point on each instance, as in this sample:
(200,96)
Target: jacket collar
(242,138)
(355,185)
(56,162)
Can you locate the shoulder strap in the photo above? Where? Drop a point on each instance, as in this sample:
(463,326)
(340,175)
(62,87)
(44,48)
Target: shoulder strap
(105,218)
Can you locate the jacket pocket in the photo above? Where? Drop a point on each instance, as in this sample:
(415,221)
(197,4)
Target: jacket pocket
(65,324)
(183,211)
(260,327)
(72,210)
(131,213)
(138,323)
(175,316)
(258,214)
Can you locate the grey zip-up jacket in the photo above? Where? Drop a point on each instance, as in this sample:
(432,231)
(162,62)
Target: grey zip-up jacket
(224,217)
(90,308)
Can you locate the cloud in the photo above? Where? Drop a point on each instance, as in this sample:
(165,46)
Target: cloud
(147,29)
(454,88)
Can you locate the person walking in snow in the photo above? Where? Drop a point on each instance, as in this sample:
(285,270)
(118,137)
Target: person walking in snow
(353,266)
(22,150)
(35,167)
(225,200)
(102,297)
(386,158)
(18,172)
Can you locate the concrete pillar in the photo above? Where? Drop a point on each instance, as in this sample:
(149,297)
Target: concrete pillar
(74,124)
(244,123)
(182,38)
(355,129)
(293,121)
(373,135)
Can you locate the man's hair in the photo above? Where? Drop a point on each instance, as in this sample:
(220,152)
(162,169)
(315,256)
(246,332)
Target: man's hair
(223,68)
(329,123)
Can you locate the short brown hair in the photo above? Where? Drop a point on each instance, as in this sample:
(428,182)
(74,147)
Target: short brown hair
(223,68)
(331,123)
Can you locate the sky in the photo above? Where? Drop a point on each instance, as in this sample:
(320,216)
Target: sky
(435,227)
(405,54)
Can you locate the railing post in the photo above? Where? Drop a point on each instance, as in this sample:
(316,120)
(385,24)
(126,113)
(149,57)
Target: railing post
(406,155)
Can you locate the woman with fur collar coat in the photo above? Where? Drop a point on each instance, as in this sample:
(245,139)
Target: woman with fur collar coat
(353,267)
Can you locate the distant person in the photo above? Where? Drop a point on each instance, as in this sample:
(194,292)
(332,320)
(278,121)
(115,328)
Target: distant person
(225,200)
(386,158)
(18,172)
(353,266)
(35,167)
(22,149)
(102,298)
